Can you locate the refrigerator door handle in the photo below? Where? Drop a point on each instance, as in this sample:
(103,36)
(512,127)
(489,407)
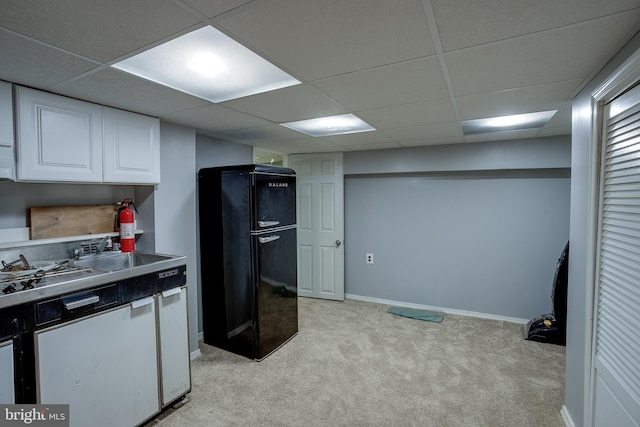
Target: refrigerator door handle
(268,223)
(268,239)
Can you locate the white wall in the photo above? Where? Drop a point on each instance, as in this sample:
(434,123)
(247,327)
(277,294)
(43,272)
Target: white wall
(580,291)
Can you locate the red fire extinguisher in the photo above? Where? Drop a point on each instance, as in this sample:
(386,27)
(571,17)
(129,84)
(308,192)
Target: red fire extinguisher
(127,227)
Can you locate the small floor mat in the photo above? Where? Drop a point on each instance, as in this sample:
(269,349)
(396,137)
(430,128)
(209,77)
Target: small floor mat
(426,315)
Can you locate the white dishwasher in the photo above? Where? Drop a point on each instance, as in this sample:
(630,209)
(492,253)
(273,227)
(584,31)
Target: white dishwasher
(6,373)
(174,344)
(104,366)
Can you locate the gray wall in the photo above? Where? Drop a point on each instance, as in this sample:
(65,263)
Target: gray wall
(471,227)
(581,292)
(211,152)
(174,203)
(17,197)
(535,153)
(480,242)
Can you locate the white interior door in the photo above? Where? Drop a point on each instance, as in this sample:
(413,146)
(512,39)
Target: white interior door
(320,217)
(616,382)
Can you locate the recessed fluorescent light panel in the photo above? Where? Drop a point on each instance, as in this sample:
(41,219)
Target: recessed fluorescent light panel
(208,64)
(507,123)
(332,125)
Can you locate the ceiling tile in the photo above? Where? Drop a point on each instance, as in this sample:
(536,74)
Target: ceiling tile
(491,20)
(554,131)
(413,133)
(570,53)
(409,114)
(214,8)
(121,90)
(501,136)
(375,146)
(372,58)
(402,83)
(99,30)
(358,138)
(258,134)
(304,145)
(515,101)
(214,118)
(29,63)
(298,102)
(433,141)
(330,37)
(562,118)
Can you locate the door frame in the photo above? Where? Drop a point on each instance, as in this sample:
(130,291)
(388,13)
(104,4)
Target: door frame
(625,76)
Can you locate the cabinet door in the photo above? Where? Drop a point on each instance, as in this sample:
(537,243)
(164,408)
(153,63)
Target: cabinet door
(131,147)
(7,385)
(174,344)
(7,159)
(104,366)
(58,138)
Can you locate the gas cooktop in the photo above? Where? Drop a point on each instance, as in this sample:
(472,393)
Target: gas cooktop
(21,275)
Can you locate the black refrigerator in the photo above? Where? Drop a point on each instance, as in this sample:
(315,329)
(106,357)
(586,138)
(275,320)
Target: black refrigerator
(248,251)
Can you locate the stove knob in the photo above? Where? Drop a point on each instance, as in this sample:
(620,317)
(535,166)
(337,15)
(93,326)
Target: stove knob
(10,289)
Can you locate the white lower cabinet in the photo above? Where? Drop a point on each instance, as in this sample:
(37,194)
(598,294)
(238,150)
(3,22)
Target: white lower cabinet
(174,344)
(7,394)
(104,366)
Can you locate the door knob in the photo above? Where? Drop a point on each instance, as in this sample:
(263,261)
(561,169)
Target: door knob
(338,243)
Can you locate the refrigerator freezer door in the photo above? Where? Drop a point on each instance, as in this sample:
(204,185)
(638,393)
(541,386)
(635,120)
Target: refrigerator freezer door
(275,201)
(276,288)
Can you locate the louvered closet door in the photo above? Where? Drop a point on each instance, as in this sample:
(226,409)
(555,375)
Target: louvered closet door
(617,357)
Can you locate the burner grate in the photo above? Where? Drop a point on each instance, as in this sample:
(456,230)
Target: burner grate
(25,282)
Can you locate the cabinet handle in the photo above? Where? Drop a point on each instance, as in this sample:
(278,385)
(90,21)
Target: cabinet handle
(72,305)
(170,292)
(141,302)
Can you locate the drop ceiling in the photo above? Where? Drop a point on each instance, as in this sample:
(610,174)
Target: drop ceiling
(412,69)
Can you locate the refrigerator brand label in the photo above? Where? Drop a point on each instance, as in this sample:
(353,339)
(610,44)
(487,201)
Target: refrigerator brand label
(278,184)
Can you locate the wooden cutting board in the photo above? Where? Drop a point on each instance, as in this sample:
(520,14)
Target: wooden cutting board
(61,221)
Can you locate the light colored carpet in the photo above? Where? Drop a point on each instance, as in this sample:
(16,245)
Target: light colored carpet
(354,364)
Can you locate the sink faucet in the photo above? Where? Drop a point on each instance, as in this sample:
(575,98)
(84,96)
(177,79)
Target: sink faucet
(104,243)
(93,247)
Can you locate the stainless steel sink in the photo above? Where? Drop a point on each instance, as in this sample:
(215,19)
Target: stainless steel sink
(118,261)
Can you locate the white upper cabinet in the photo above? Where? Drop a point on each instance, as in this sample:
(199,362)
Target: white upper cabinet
(6,115)
(61,139)
(7,159)
(131,147)
(58,138)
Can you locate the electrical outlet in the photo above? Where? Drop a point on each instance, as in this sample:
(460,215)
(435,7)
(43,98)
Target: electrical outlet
(369,258)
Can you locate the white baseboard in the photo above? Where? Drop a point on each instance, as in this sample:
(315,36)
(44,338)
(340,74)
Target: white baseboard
(566,417)
(195,354)
(443,309)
